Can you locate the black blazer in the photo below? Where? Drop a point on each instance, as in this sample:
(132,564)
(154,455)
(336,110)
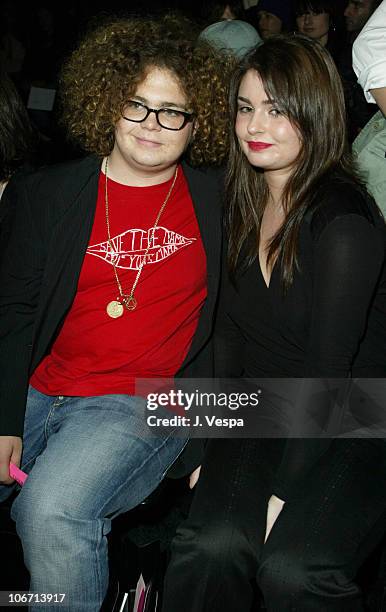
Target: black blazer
(48,220)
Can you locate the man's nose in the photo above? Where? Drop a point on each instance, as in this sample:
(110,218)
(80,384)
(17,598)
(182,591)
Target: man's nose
(151,123)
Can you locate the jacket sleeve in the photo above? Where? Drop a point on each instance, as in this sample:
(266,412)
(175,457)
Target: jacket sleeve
(349,256)
(21,272)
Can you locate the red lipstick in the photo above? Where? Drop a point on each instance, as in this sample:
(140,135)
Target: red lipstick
(258,146)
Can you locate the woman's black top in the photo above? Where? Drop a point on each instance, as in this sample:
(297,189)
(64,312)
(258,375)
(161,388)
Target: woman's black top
(331,322)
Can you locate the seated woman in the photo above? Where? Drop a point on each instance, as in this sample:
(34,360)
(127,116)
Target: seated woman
(303,296)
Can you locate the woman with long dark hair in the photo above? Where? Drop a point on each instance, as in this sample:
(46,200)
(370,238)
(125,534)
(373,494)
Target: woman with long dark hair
(317,20)
(304,296)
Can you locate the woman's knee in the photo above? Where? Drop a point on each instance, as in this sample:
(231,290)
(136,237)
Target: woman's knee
(294,577)
(282,576)
(217,545)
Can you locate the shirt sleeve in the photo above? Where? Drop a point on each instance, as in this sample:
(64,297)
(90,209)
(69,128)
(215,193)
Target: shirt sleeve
(348,259)
(369,53)
(22,260)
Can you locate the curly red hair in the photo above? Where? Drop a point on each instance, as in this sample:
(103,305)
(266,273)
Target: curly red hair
(105,70)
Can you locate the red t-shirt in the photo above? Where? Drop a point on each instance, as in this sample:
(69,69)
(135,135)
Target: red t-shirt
(97,355)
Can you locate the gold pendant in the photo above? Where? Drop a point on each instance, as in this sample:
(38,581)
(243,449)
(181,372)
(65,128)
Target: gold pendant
(130,302)
(114,309)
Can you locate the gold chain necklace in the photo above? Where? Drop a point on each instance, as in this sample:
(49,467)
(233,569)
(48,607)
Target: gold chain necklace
(115,308)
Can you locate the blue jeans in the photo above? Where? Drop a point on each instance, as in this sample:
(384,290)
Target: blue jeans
(89,459)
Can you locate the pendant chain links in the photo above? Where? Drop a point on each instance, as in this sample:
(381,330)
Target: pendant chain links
(115,309)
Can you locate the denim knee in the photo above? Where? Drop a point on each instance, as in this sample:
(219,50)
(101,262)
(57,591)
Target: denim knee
(36,519)
(44,519)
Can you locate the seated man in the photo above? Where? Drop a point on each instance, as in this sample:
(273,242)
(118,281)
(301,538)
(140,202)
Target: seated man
(110,274)
(369,63)
(359,112)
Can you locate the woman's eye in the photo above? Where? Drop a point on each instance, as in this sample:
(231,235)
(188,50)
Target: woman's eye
(244,109)
(274,112)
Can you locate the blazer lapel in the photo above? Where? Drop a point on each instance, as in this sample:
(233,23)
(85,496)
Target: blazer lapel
(68,244)
(205,189)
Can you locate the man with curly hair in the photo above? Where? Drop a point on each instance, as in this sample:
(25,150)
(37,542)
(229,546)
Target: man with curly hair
(110,275)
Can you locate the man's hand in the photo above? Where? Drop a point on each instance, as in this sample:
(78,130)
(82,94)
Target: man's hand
(10,450)
(275,506)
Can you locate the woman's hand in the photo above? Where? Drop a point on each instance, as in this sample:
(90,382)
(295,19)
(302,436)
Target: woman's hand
(194,476)
(275,506)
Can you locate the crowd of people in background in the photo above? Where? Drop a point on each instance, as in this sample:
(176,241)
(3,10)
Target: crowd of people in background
(35,41)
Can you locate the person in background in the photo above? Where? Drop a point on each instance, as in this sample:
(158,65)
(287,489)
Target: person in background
(369,63)
(303,296)
(315,18)
(357,13)
(359,111)
(20,146)
(12,42)
(110,274)
(233,36)
(271,17)
(18,139)
(215,11)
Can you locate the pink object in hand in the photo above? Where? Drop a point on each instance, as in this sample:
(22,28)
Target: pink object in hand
(17,474)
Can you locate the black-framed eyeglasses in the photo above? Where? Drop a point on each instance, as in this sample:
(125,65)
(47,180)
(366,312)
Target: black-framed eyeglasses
(168,118)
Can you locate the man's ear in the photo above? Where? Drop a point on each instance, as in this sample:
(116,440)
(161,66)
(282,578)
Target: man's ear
(192,134)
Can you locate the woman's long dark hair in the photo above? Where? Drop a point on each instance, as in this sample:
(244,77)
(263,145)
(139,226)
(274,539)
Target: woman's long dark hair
(300,76)
(18,138)
(314,6)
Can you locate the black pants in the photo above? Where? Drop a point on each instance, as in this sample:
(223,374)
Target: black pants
(324,533)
